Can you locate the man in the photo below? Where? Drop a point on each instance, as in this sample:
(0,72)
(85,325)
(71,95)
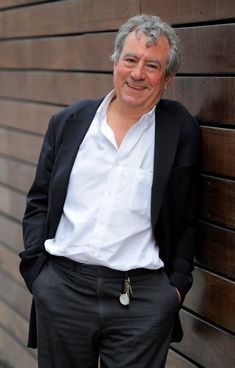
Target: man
(109,227)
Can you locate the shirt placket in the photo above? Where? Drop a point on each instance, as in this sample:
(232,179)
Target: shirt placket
(107,202)
(110,191)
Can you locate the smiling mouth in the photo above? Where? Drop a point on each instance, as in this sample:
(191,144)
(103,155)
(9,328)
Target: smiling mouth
(136,87)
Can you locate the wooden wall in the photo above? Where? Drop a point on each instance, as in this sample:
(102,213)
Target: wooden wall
(56,52)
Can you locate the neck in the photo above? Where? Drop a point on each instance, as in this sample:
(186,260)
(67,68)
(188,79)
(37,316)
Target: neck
(127,114)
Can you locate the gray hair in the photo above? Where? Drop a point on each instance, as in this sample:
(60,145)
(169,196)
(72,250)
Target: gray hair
(153,27)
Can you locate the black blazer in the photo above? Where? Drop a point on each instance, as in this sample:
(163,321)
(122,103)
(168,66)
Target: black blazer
(173,201)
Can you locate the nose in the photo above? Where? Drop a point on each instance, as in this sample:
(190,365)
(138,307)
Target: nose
(137,72)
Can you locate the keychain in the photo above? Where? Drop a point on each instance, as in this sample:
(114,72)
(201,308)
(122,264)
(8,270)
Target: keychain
(125,297)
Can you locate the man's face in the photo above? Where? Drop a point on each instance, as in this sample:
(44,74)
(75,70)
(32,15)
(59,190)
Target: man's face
(140,73)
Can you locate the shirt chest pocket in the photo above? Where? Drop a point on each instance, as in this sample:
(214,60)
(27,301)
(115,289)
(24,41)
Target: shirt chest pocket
(140,197)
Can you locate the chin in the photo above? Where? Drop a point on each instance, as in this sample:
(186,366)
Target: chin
(133,102)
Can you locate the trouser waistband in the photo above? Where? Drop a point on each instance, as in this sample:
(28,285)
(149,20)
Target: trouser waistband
(98,270)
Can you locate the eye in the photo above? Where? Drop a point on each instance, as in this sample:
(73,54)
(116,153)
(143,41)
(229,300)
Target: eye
(153,67)
(130,60)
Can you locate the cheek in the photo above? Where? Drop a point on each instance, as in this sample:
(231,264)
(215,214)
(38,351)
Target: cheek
(158,83)
(120,72)
(155,83)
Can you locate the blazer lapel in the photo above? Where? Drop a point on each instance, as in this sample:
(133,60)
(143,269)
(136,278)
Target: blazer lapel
(75,130)
(166,139)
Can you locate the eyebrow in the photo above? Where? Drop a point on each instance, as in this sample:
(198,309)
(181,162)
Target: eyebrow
(131,54)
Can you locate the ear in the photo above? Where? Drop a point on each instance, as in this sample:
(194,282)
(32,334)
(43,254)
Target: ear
(168,81)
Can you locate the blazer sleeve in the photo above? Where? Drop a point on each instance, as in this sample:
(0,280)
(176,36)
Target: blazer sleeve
(37,204)
(185,186)
(35,216)
(178,219)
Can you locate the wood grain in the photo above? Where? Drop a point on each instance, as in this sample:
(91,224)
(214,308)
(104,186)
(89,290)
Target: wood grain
(62,88)
(74,17)
(216,249)
(206,344)
(15,295)
(12,3)
(12,203)
(27,147)
(210,99)
(186,11)
(218,201)
(13,323)
(203,51)
(83,52)
(14,354)
(9,263)
(11,233)
(26,116)
(212,297)
(174,360)
(218,147)
(17,175)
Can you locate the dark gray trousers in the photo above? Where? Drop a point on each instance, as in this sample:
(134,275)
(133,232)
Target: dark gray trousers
(79,317)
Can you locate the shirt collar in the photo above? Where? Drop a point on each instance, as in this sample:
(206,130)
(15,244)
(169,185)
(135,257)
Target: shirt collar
(102,109)
(147,118)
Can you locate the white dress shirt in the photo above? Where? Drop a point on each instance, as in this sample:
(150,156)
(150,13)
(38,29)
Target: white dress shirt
(106,216)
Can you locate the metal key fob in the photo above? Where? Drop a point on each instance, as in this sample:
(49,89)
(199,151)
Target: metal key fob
(125,297)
